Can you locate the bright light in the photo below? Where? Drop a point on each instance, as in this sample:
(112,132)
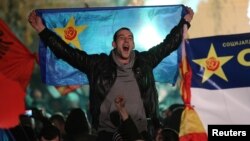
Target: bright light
(248,10)
(191,3)
(148,37)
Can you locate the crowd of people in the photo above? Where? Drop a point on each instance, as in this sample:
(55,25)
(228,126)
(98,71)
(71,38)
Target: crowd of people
(58,127)
(76,126)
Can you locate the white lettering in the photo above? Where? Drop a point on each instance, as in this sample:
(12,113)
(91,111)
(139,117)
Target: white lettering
(216,132)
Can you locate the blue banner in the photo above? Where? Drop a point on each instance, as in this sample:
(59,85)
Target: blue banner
(92,29)
(220,62)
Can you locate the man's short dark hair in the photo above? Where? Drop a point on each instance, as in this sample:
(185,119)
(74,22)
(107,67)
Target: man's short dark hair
(115,35)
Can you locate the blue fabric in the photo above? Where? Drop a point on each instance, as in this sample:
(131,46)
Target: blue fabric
(150,25)
(226,67)
(5,135)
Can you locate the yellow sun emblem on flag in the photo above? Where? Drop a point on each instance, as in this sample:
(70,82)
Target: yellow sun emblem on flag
(70,32)
(213,64)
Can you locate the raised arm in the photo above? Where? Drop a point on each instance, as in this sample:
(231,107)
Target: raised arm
(75,57)
(171,42)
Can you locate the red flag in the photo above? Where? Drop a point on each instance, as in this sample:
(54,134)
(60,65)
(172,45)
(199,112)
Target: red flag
(16,62)
(12,102)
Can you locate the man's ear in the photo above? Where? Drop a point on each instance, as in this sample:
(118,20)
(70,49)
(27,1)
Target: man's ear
(114,44)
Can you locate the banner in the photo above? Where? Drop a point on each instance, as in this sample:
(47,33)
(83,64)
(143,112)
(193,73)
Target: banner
(220,78)
(16,61)
(16,66)
(92,29)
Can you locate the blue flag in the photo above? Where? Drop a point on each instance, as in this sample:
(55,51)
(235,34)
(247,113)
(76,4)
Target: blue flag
(92,29)
(220,62)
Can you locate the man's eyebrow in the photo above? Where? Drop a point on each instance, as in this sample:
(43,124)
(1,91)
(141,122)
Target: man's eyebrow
(131,35)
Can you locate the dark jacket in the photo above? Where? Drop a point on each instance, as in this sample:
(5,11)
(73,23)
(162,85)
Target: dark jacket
(101,69)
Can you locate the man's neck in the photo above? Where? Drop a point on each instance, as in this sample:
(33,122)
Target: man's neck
(123,61)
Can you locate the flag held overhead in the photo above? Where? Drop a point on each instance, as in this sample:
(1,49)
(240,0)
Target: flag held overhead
(92,29)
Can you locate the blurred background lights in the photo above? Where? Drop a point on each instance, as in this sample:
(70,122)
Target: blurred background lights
(148,37)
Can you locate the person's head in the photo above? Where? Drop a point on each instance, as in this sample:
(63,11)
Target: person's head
(123,43)
(27,120)
(58,121)
(49,133)
(173,108)
(169,134)
(173,116)
(77,122)
(37,94)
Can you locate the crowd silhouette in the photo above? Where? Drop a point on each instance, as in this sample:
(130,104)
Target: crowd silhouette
(75,126)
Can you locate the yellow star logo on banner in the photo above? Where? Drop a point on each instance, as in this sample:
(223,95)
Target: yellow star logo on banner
(213,64)
(70,32)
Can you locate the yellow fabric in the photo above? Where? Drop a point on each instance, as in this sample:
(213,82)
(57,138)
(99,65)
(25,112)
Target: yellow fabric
(190,122)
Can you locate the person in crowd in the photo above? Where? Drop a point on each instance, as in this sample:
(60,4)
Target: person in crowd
(49,133)
(171,123)
(173,117)
(127,130)
(25,130)
(58,121)
(38,99)
(167,134)
(40,119)
(77,126)
(124,69)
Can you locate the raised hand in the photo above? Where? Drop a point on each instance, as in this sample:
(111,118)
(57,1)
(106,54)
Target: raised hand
(189,16)
(36,21)
(120,105)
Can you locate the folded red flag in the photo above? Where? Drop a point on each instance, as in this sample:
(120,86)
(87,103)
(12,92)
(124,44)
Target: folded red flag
(16,62)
